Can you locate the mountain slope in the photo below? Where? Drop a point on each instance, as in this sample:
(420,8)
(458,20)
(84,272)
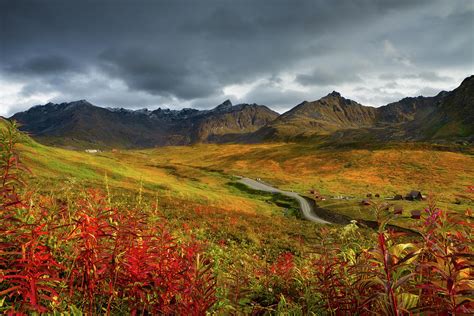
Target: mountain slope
(454,114)
(230,123)
(448,115)
(322,117)
(80,124)
(445,116)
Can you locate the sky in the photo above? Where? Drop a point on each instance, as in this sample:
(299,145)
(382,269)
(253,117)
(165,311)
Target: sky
(184,53)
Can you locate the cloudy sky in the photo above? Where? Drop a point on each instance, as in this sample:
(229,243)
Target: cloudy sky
(186,53)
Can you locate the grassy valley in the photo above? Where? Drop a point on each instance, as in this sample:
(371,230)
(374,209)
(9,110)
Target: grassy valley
(202,172)
(256,242)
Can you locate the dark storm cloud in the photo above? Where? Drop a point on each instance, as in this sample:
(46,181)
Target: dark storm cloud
(159,73)
(324,78)
(42,65)
(188,52)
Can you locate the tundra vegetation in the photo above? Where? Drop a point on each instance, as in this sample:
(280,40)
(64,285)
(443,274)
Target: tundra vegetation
(167,231)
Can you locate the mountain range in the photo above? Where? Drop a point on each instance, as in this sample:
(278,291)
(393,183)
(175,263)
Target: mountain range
(79,124)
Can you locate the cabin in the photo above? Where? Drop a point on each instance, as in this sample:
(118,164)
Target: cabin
(366,202)
(414,195)
(416,214)
(398,209)
(317,195)
(92,151)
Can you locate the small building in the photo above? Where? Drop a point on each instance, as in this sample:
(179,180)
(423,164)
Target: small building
(398,197)
(414,195)
(366,202)
(92,151)
(369,195)
(416,214)
(317,195)
(398,209)
(377,195)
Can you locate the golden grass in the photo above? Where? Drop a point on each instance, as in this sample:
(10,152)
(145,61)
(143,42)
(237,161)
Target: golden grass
(355,171)
(200,173)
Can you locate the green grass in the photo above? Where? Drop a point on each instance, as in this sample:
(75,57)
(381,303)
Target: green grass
(289,207)
(201,173)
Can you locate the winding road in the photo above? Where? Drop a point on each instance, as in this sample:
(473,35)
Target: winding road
(306,208)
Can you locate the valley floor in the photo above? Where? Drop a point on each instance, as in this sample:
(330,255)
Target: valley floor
(202,173)
(265,256)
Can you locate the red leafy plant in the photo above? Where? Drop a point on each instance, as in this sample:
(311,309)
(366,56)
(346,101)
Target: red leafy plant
(90,255)
(29,274)
(446,263)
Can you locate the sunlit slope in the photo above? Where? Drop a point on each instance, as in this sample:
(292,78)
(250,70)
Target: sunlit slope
(351,172)
(53,167)
(202,173)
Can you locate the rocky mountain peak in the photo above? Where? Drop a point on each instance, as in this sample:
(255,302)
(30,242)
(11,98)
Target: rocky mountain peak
(78,103)
(226,105)
(334,94)
(468,80)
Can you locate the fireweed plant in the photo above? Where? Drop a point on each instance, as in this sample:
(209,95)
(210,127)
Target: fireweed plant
(91,259)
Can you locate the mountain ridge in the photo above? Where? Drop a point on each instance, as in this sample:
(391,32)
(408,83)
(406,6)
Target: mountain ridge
(82,124)
(447,115)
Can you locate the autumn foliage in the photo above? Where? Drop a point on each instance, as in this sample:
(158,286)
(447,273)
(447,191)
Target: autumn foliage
(90,256)
(85,254)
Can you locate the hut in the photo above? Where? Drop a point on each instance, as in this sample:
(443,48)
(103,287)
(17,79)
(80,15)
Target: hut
(366,202)
(398,209)
(319,197)
(416,214)
(316,195)
(414,195)
(398,197)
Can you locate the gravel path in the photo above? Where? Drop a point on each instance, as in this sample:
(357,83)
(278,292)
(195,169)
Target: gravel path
(304,205)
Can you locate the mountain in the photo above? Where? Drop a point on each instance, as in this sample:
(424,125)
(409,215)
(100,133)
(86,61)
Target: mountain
(229,123)
(454,114)
(322,117)
(448,115)
(80,124)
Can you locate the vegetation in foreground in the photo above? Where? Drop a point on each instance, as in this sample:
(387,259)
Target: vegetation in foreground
(83,251)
